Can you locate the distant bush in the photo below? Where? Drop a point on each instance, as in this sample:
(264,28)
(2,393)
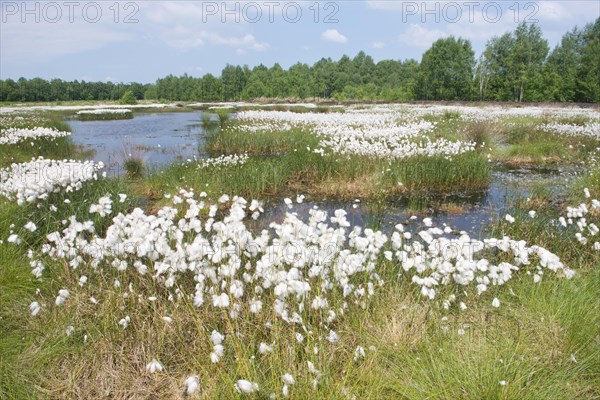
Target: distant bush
(104,114)
(134,167)
(128,98)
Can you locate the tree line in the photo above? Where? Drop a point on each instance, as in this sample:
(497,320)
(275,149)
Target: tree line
(517,66)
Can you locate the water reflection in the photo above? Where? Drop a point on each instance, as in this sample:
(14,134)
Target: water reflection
(471,213)
(160,139)
(156,138)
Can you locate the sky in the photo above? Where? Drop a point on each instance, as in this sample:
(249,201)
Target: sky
(140,41)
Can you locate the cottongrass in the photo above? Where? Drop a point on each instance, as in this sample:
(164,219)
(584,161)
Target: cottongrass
(17,135)
(374,134)
(224,161)
(591,129)
(99,111)
(36,180)
(309,274)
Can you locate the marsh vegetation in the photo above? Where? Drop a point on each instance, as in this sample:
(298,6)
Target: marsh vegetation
(220,276)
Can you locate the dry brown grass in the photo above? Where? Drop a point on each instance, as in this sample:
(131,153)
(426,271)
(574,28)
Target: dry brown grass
(365,186)
(397,320)
(519,161)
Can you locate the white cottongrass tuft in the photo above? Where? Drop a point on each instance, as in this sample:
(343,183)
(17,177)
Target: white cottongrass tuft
(35,308)
(192,384)
(36,180)
(244,386)
(264,348)
(154,366)
(63,294)
(332,336)
(124,322)
(359,352)
(495,303)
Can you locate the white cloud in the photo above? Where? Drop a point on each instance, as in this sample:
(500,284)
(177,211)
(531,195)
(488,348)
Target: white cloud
(177,24)
(571,11)
(32,41)
(332,35)
(480,28)
(547,10)
(407,6)
(378,45)
(385,5)
(418,36)
(184,39)
(164,12)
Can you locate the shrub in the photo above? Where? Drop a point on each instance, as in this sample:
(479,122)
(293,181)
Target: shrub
(134,167)
(128,98)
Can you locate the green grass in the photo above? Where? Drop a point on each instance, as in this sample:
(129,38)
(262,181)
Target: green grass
(462,173)
(536,152)
(334,177)
(234,141)
(520,141)
(290,165)
(528,342)
(134,167)
(109,116)
(58,148)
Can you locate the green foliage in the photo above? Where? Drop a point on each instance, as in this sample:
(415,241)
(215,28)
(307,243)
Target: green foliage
(588,70)
(134,167)
(38,89)
(57,148)
(513,67)
(446,70)
(465,172)
(128,98)
(513,63)
(109,116)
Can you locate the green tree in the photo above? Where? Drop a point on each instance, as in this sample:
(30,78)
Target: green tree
(511,66)
(527,57)
(128,98)
(588,72)
(298,80)
(234,80)
(446,71)
(562,66)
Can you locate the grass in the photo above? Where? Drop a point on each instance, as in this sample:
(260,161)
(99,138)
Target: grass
(520,141)
(333,177)
(109,116)
(462,173)
(528,342)
(542,341)
(134,167)
(234,141)
(289,165)
(484,134)
(58,148)
(535,152)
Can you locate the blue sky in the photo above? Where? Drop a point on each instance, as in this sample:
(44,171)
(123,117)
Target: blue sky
(140,41)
